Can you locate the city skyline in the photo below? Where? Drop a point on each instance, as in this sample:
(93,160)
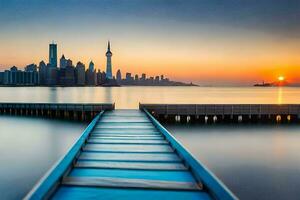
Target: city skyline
(232,43)
(67,74)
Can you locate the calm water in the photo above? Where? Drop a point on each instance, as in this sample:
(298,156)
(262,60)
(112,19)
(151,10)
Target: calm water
(129,97)
(256,162)
(28,148)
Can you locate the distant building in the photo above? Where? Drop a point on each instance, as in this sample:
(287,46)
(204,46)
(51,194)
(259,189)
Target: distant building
(80,73)
(52,77)
(6,77)
(108,62)
(136,77)
(1,78)
(151,80)
(69,62)
(63,62)
(128,76)
(156,80)
(53,55)
(91,66)
(69,78)
(90,75)
(119,76)
(42,72)
(31,68)
(101,77)
(129,80)
(15,76)
(143,78)
(31,75)
(18,77)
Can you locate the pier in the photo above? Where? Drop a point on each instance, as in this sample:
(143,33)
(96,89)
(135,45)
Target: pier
(72,111)
(128,154)
(214,113)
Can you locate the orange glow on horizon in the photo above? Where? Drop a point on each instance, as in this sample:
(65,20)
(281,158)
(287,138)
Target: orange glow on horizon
(209,60)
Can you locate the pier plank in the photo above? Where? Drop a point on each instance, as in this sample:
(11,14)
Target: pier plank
(76,192)
(141,141)
(131,165)
(129,183)
(154,157)
(127,148)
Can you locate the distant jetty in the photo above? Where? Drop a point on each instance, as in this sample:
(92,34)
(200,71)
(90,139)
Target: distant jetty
(263,84)
(273,84)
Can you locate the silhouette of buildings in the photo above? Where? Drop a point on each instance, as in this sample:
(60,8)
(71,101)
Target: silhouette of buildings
(68,75)
(14,76)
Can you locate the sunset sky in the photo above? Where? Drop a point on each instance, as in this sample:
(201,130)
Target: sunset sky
(210,42)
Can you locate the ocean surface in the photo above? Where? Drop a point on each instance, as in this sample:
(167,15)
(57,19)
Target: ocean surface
(254,161)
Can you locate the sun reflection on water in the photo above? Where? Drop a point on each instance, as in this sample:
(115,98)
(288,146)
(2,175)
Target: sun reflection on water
(279,95)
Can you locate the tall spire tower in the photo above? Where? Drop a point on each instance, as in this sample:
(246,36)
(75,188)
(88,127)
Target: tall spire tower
(108,62)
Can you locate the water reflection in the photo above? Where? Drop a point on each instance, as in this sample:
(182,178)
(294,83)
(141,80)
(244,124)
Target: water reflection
(108,95)
(28,148)
(129,97)
(255,162)
(53,97)
(279,98)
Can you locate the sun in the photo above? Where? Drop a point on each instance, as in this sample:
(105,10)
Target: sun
(281,78)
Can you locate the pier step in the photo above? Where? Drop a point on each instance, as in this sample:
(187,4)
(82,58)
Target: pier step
(130,183)
(126,131)
(125,120)
(128,148)
(154,157)
(77,192)
(110,141)
(128,137)
(131,165)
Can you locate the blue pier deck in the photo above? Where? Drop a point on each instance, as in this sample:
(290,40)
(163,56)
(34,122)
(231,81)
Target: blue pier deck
(127,154)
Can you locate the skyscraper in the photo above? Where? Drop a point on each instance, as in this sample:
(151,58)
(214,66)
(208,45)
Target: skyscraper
(53,55)
(108,62)
(43,72)
(119,76)
(91,66)
(63,62)
(80,74)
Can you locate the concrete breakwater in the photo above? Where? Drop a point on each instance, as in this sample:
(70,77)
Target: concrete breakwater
(194,113)
(72,111)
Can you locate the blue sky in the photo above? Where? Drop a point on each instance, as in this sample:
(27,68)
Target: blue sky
(266,15)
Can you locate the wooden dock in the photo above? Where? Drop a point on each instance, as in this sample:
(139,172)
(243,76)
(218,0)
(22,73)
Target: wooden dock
(205,113)
(127,154)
